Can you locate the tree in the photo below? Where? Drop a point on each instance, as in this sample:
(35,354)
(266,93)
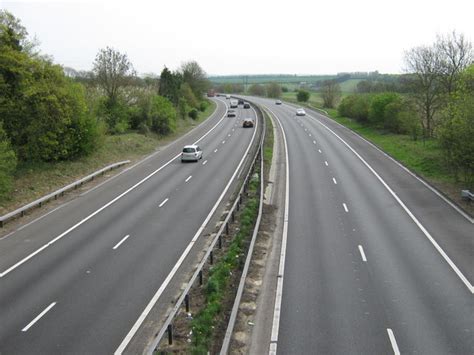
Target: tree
(331,92)
(196,77)
(455,56)
(457,129)
(187,93)
(170,84)
(425,64)
(7,164)
(113,70)
(436,70)
(378,104)
(273,90)
(257,90)
(302,95)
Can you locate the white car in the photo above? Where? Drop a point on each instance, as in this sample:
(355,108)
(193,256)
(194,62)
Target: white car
(227,97)
(278,102)
(191,153)
(300,112)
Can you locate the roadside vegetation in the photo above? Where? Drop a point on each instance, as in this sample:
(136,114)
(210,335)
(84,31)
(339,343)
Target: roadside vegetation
(57,124)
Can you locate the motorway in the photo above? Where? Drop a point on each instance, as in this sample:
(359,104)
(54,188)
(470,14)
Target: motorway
(78,279)
(373,261)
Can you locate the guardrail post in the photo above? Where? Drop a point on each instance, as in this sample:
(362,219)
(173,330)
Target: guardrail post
(211,257)
(200,278)
(170,334)
(186,302)
(226,228)
(220,241)
(233,216)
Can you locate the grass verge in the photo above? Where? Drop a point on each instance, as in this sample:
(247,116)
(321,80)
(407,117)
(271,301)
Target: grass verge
(205,323)
(36,179)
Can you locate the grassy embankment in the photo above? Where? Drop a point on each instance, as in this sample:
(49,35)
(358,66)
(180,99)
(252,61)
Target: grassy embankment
(424,158)
(34,180)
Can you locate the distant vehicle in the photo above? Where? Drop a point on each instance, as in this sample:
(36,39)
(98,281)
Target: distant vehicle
(234,103)
(248,123)
(300,112)
(246,105)
(191,153)
(241,102)
(278,102)
(231,113)
(227,97)
(211,93)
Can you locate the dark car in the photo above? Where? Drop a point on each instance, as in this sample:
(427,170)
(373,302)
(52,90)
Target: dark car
(241,102)
(246,105)
(248,123)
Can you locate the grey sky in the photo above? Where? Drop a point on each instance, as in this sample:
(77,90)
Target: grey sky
(243,37)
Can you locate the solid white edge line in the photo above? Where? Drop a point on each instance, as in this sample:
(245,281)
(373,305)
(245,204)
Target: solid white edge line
(38,317)
(281,269)
(163,203)
(120,243)
(189,178)
(393,341)
(405,208)
(13,267)
(175,268)
(362,254)
(345,207)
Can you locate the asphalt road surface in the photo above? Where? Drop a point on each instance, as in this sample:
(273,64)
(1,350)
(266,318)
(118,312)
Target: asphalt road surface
(77,280)
(375,261)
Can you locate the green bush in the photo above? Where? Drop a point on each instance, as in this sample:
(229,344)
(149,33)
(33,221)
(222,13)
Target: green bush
(302,96)
(356,107)
(8,163)
(203,106)
(193,114)
(162,115)
(377,110)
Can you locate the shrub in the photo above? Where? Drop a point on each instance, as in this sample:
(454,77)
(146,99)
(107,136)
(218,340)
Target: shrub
(203,106)
(302,96)
(377,110)
(162,115)
(193,114)
(7,164)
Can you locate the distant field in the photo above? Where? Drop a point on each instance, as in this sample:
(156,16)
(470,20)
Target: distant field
(350,85)
(261,79)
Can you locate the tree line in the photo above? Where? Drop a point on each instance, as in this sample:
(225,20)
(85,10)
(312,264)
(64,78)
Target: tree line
(434,100)
(50,113)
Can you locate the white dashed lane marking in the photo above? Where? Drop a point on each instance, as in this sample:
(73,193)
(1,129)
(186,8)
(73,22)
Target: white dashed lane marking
(120,243)
(38,317)
(163,203)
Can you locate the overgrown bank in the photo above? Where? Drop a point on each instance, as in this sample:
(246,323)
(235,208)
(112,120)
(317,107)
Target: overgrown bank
(35,179)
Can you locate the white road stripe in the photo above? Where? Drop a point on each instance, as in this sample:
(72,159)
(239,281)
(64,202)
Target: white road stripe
(345,207)
(189,178)
(223,142)
(334,180)
(310,134)
(119,243)
(281,268)
(319,150)
(440,250)
(325,162)
(229,135)
(393,341)
(362,254)
(215,150)
(314,142)
(162,204)
(38,317)
(204,162)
